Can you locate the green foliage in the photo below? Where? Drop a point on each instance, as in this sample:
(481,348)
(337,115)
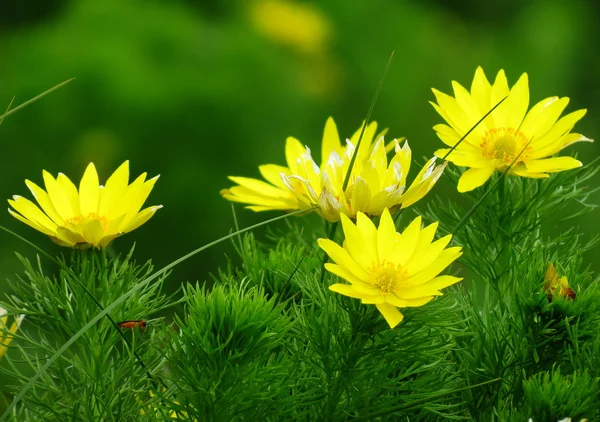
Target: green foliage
(553,396)
(101,376)
(267,339)
(514,329)
(224,361)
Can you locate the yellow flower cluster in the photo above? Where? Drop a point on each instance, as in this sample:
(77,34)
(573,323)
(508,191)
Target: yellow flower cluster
(374,182)
(358,179)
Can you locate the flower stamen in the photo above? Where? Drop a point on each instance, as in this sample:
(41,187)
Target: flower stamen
(387,276)
(504,144)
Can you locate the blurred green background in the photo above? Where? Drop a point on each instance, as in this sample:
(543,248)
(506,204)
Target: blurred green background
(196,91)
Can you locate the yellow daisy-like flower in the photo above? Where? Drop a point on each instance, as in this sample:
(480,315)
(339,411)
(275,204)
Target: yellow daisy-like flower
(389,269)
(375,182)
(7,333)
(557,285)
(508,131)
(94,215)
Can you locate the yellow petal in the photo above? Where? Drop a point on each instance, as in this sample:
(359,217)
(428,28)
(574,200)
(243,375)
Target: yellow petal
(423,183)
(366,141)
(89,191)
(260,188)
(141,218)
(361,195)
(463,158)
(499,91)
(430,288)
(70,191)
(517,102)
(481,90)
(425,238)
(552,165)
(93,232)
(346,290)
(394,300)
(105,241)
(358,284)
(341,257)
(468,104)
(550,273)
(361,246)
(116,185)
(31,212)
(387,237)
(272,174)
(444,259)
(368,232)
(523,172)
(248,196)
(293,151)
(331,140)
(133,198)
(560,128)
(391,314)
(43,200)
(69,237)
(454,115)
(31,224)
(58,197)
(447,135)
(473,178)
(373,300)
(542,116)
(408,241)
(423,257)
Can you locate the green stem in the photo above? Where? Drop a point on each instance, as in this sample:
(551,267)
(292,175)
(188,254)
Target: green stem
(473,128)
(366,122)
(37,97)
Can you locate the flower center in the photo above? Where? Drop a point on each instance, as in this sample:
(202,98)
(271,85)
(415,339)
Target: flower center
(504,144)
(82,221)
(387,276)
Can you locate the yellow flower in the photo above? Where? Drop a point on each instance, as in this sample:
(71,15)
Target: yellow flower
(6,333)
(94,215)
(508,131)
(389,269)
(299,25)
(374,182)
(555,284)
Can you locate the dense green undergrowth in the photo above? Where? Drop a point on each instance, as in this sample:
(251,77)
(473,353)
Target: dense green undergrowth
(267,340)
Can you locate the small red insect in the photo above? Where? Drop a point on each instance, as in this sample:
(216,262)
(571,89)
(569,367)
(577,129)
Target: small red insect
(140,323)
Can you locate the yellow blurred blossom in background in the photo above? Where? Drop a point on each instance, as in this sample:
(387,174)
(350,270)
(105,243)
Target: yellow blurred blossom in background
(301,26)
